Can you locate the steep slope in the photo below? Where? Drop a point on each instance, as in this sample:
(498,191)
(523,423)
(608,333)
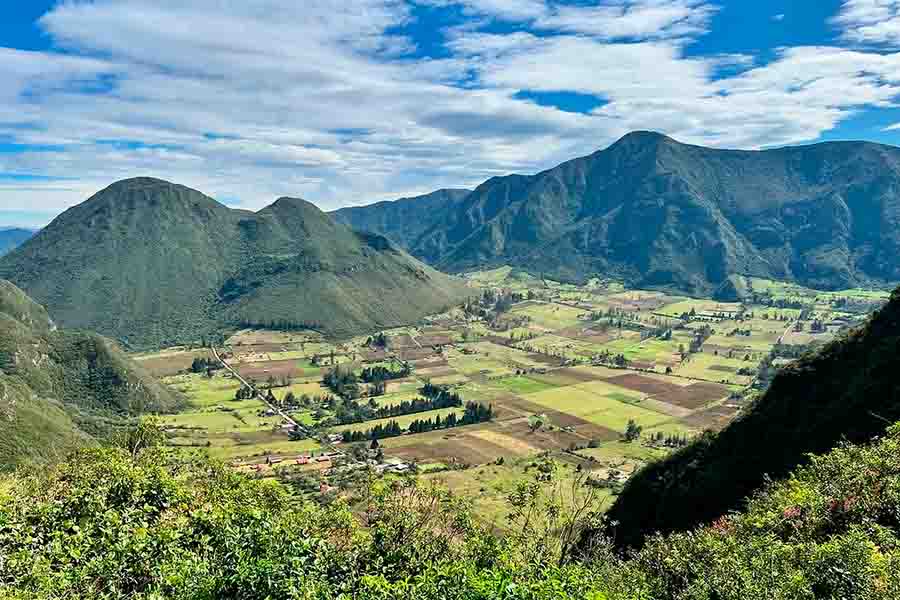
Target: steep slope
(153,263)
(848,391)
(405,220)
(59,389)
(658,213)
(11,237)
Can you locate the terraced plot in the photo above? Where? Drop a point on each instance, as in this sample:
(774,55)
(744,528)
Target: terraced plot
(165,364)
(549,317)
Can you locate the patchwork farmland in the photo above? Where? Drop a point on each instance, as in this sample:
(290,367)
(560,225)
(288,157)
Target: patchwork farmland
(564,370)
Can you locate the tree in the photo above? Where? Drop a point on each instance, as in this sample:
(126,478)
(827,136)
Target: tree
(632,431)
(374,445)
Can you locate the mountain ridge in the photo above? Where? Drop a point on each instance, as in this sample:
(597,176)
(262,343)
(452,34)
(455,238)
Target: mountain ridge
(11,237)
(151,263)
(659,213)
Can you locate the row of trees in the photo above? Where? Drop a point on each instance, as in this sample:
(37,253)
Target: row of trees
(474,413)
(382,373)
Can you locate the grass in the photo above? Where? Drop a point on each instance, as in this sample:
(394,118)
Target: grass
(590,402)
(699,306)
(275,447)
(551,317)
(702,366)
(489,487)
(521,385)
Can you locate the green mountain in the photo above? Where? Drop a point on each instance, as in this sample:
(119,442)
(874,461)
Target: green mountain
(11,237)
(153,263)
(59,389)
(846,392)
(403,221)
(658,213)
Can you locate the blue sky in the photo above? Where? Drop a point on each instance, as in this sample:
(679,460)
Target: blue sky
(363,100)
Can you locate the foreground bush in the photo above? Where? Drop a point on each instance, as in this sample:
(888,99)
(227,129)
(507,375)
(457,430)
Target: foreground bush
(139,522)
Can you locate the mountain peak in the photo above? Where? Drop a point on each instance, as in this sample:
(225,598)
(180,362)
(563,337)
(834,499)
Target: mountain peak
(642,138)
(292,203)
(139,183)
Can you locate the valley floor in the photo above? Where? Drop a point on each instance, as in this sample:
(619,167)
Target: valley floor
(566,369)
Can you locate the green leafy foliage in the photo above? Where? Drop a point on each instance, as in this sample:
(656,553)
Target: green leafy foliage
(143,522)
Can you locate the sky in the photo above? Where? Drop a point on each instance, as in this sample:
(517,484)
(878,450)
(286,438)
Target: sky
(352,102)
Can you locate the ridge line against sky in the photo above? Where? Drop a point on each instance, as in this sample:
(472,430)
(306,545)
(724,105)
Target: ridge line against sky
(365,100)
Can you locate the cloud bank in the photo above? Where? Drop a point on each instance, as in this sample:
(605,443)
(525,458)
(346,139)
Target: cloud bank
(348,103)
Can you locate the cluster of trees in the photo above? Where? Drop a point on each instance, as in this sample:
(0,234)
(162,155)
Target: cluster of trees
(244,393)
(738,331)
(662,333)
(474,413)
(633,431)
(382,373)
(379,340)
(204,365)
(670,440)
(609,358)
(343,382)
(492,304)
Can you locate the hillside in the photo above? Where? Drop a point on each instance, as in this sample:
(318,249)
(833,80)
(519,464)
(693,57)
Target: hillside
(658,213)
(154,263)
(405,220)
(59,389)
(11,237)
(847,391)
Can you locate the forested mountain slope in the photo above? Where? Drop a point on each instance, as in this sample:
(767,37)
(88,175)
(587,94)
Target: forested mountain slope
(402,221)
(658,213)
(59,389)
(153,263)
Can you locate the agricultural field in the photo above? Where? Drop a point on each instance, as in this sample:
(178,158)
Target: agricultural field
(565,371)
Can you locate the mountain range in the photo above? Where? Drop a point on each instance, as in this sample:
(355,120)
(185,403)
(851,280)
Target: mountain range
(60,389)
(658,213)
(11,237)
(152,263)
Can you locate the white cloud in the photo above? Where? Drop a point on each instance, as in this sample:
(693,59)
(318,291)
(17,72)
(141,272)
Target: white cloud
(510,10)
(870,21)
(322,100)
(636,19)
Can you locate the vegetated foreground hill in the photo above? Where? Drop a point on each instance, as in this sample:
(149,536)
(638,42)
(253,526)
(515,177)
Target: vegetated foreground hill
(175,530)
(11,237)
(402,221)
(847,391)
(658,213)
(154,263)
(58,389)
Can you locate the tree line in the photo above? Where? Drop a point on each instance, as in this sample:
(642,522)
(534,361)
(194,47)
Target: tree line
(474,413)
